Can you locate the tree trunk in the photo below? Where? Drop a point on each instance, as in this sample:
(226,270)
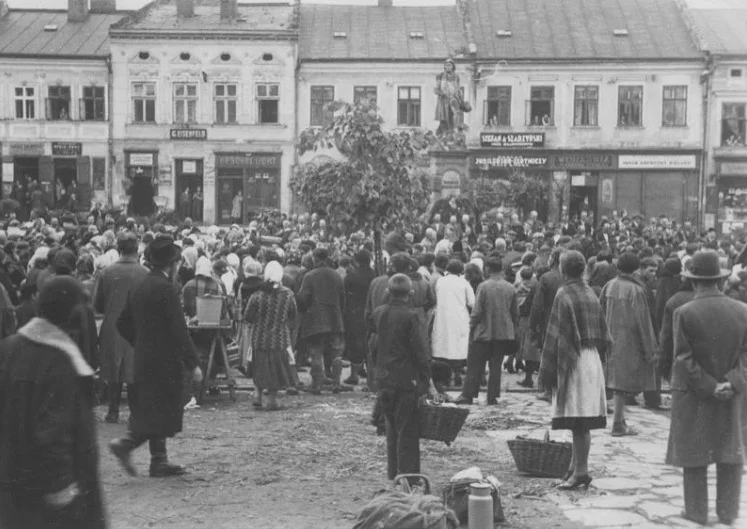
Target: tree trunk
(378,252)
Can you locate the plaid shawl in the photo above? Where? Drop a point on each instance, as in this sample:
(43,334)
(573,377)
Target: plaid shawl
(576,322)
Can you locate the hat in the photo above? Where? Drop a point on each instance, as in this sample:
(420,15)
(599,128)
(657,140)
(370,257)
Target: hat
(162,252)
(705,265)
(64,262)
(203,267)
(400,284)
(59,297)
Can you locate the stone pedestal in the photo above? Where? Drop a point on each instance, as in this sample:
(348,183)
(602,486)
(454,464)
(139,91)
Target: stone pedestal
(449,174)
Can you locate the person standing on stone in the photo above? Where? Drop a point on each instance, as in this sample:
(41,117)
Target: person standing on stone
(631,364)
(493,332)
(153,323)
(576,341)
(322,298)
(709,392)
(109,298)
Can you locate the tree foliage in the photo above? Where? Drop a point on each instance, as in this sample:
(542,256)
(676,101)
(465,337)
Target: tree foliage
(383,178)
(522,192)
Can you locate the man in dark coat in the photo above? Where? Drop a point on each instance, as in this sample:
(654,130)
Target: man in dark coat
(109,298)
(153,323)
(356,286)
(666,334)
(402,373)
(322,299)
(709,391)
(48,452)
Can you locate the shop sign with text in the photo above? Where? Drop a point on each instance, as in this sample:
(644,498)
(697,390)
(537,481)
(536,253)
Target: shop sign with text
(188,134)
(141,159)
(512,139)
(26,149)
(249,160)
(67,148)
(510,161)
(588,162)
(733,168)
(657,161)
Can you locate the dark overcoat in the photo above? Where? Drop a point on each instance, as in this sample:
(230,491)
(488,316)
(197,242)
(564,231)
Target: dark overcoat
(321,299)
(109,298)
(356,286)
(47,431)
(153,323)
(710,344)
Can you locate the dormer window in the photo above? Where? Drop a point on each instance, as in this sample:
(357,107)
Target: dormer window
(340,35)
(143,55)
(417,35)
(225,57)
(735,72)
(620,32)
(185,56)
(503,33)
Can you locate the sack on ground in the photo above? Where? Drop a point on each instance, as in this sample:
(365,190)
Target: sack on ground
(399,510)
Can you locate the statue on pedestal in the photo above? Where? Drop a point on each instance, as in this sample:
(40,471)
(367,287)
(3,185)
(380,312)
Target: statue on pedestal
(451,105)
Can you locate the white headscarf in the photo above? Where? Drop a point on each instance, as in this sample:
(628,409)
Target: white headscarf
(274,273)
(203,267)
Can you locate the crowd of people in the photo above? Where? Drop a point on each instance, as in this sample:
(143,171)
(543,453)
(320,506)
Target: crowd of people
(594,308)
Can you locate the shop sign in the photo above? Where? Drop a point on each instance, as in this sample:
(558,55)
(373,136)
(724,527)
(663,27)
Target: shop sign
(249,160)
(587,162)
(188,134)
(512,140)
(733,168)
(189,167)
(67,148)
(657,161)
(26,149)
(519,161)
(141,159)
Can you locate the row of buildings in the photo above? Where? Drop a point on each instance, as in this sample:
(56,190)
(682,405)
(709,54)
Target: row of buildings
(625,105)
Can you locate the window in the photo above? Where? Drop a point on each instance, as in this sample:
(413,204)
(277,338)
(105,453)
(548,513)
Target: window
(733,124)
(674,106)
(630,106)
(497,111)
(321,97)
(93,104)
(144,102)
(408,106)
(365,92)
(268,102)
(586,106)
(541,110)
(735,72)
(185,103)
(225,103)
(25,102)
(58,103)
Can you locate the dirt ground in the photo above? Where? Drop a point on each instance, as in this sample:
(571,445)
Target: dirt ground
(311,466)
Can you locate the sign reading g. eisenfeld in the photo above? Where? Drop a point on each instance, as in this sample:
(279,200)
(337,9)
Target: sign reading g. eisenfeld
(512,139)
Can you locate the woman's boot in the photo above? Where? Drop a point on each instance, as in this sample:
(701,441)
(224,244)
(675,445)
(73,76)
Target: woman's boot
(354,378)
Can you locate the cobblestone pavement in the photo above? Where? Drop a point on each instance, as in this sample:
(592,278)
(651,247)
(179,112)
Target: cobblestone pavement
(632,487)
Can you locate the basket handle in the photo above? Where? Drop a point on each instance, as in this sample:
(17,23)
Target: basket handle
(403,481)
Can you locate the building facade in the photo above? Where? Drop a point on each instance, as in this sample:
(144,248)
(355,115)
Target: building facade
(54,104)
(204,118)
(722,34)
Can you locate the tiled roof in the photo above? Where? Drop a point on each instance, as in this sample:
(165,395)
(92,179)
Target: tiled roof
(379,33)
(581,29)
(161,16)
(721,30)
(22,33)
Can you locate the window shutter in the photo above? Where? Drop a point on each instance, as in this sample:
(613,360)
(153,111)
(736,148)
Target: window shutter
(46,179)
(83,197)
(82,110)
(485,112)
(528,113)
(48,108)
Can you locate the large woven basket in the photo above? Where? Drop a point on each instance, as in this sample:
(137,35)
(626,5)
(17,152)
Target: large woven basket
(541,458)
(441,423)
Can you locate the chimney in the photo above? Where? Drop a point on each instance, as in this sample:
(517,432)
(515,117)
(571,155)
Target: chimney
(185,8)
(77,10)
(103,6)
(386,3)
(229,10)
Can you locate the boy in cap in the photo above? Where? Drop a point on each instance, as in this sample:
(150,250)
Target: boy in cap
(402,372)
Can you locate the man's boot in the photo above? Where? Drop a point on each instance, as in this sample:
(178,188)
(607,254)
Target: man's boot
(354,378)
(115,395)
(159,462)
(337,387)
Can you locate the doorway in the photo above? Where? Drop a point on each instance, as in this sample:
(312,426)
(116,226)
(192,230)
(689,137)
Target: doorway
(65,181)
(189,194)
(583,200)
(141,200)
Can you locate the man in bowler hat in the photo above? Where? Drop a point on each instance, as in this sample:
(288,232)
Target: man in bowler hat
(709,390)
(153,323)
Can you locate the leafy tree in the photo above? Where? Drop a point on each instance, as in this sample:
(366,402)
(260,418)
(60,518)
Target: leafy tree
(383,180)
(521,191)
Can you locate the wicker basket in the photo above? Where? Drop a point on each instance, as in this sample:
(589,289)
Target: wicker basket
(441,423)
(541,458)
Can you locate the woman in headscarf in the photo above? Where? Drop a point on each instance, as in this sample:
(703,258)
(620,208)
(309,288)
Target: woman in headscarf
(271,310)
(248,286)
(190,255)
(84,273)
